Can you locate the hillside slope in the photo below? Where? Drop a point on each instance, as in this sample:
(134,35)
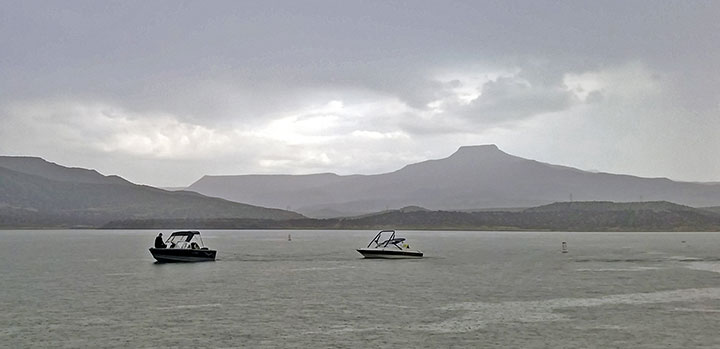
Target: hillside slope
(38,167)
(31,200)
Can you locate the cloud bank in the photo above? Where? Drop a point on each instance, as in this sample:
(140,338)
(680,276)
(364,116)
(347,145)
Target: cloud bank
(165,92)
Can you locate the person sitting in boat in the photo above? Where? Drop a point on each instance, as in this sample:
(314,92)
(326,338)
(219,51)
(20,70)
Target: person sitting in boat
(159,242)
(194,245)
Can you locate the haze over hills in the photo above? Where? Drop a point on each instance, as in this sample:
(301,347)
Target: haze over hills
(474,177)
(561,216)
(34,192)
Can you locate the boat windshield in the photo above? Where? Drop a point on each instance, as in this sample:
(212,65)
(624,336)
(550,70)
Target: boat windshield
(186,240)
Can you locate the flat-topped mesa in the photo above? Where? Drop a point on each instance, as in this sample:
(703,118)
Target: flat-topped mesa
(487,154)
(465,165)
(478,151)
(478,148)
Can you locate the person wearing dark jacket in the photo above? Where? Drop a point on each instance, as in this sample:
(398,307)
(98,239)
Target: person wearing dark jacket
(159,242)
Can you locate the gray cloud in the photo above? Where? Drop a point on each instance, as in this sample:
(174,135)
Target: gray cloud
(508,100)
(139,88)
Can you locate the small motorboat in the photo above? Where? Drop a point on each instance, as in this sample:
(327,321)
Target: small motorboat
(184,246)
(386,245)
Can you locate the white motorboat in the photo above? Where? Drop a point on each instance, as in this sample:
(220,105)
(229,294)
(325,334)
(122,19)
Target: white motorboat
(386,245)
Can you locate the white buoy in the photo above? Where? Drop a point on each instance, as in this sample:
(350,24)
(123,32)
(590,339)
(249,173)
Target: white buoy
(564,247)
(289,237)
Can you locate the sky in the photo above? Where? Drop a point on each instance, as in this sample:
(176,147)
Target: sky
(164,92)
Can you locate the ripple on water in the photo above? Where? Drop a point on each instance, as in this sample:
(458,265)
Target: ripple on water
(478,315)
(193,306)
(697,310)
(322,268)
(704,266)
(631,269)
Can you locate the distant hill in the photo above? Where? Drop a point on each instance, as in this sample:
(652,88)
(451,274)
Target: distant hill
(715,209)
(49,170)
(474,177)
(76,197)
(608,206)
(563,216)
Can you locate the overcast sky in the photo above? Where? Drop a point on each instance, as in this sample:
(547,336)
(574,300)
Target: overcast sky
(163,92)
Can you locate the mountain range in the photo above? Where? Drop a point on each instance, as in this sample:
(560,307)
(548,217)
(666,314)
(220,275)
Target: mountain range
(463,191)
(38,193)
(473,178)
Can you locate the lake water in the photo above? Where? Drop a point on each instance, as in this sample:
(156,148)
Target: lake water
(473,289)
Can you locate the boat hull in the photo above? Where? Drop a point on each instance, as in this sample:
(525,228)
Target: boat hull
(389,253)
(171,255)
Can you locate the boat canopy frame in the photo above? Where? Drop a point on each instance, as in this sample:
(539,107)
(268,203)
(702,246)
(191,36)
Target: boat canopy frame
(190,235)
(390,241)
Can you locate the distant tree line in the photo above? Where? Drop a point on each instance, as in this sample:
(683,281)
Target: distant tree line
(680,218)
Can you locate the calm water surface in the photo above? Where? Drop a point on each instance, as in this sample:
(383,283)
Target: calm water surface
(474,289)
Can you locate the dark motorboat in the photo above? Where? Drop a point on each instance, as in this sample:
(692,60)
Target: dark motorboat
(184,246)
(384,246)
